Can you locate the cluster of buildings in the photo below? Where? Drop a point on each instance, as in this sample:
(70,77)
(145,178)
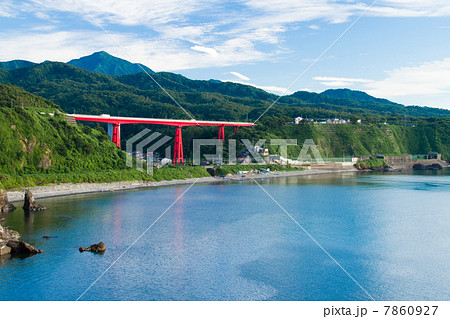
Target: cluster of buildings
(155,158)
(299,119)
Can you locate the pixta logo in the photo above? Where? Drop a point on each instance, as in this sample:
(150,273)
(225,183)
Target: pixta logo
(308,151)
(143,145)
(146,145)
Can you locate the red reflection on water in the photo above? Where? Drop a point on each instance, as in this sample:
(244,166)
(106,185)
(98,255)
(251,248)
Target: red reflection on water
(117,221)
(179,222)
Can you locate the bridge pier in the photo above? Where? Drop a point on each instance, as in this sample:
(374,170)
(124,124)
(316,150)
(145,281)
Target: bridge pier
(222,133)
(178,151)
(114,133)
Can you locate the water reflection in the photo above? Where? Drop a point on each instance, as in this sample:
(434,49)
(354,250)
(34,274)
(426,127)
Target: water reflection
(232,242)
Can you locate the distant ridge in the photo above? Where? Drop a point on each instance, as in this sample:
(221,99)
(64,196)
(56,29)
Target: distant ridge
(75,88)
(15,64)
(103,62)
(355,95)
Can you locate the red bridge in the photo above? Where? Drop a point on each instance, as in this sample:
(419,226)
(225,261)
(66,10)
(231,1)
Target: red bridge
(116,121)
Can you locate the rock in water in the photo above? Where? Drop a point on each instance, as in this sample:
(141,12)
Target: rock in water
(7,234)
(95,248)
(5,206)
(4,250)
(30,204)
(21,247)
(435,166)
(421,167)
(10,243)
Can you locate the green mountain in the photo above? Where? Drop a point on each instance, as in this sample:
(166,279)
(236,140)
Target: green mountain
(102,62)
(35,136)
(38,146)
(118,84)
(79,90)
(15,64)
(357,102)
(426,135)
(348,94)
(179,83)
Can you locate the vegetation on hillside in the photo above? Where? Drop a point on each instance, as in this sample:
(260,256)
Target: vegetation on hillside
(77,89)
(234,169)
(39,147)
(15,64)
(335,141)
(33,142)
(44,143)
(81,91)
(371,163)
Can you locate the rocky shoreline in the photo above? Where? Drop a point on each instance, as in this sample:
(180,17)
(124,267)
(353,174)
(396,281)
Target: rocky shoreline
(87,188)
(9,239)
(67,189)
(10,243)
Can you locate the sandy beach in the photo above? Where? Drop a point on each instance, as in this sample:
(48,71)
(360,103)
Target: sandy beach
(67,189)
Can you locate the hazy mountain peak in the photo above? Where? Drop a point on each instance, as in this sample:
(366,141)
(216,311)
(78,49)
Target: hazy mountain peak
(103,62)
(15,64)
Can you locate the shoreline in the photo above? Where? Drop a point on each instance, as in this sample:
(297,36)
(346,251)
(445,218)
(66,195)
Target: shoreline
(67,189)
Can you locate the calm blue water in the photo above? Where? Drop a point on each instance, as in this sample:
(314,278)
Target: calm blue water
(232,242)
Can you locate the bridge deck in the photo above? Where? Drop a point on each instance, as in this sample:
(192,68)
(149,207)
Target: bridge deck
(116,121)
(171,122)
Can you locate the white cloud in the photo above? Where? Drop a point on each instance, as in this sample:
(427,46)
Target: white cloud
(412,8)
(275,89)
(144,12)
(339,81)
(136,12)
(269,88)
(191,33)
(172,38)
(6,9)
(159,54)
(339,84)
(54,46)
(431,78)
(209,51)
(330,78)
(240,76)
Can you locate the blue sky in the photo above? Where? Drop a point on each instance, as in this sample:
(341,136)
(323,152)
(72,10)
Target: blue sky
(400,49)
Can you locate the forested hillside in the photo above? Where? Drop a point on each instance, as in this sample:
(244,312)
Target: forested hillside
(408,129)
(34,136)
(427,135)
(79,90)
(38,147)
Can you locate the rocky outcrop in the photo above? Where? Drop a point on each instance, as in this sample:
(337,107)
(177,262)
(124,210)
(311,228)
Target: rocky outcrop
(30,204)
(422,167)
(4,250)
(5,236)
(22,248)
(5,206)
(10,244)
(95,248)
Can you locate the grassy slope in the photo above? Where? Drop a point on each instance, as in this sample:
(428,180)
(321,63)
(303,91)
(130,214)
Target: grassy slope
(363,140)
(371,163)
(38,149)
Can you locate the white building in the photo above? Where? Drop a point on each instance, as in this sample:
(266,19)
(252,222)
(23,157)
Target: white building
(297,120)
